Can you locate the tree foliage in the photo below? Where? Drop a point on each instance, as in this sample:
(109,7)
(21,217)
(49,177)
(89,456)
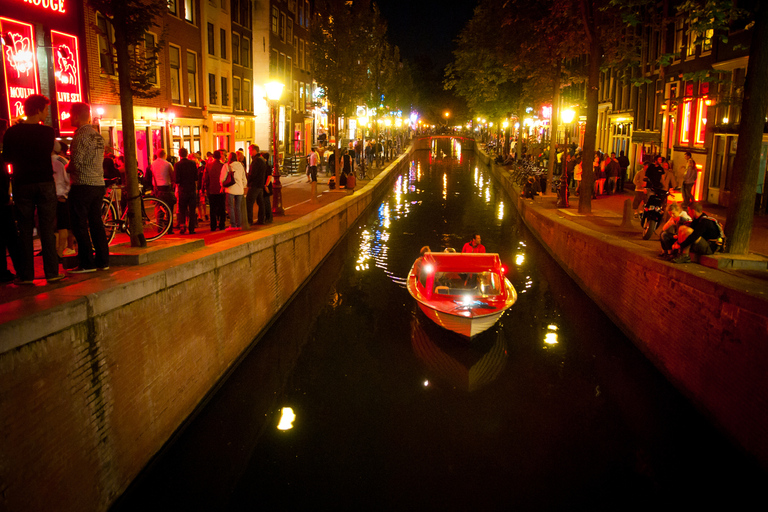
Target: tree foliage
(131,20)
(136,18)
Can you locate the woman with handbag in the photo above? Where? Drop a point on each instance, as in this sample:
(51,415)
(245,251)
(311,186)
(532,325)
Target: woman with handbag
(233,181)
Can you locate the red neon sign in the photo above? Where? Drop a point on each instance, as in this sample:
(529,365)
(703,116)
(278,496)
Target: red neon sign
(49,5)
(66,66)
(19,64)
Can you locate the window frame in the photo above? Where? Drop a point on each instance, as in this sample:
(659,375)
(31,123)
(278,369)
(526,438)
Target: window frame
(171,47)
(192,87)
(211,38)
(275,19)
(235,54)
(236,100)
(107,39)
(223,42)
(189,12)
(224,91)
(213,96)
(245,49)
(156,83)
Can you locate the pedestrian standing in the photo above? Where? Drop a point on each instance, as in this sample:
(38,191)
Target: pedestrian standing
(257,178)
(234,191)
(185,171)
(86,176)
(623,166)
(267,191)
(312,162)
(162,181)
(689,179)
(212,186)
(61,178)
(9,235)
(27,146)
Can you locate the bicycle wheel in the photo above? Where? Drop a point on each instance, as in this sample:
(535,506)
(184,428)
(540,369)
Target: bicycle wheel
(109,218)
(157,218)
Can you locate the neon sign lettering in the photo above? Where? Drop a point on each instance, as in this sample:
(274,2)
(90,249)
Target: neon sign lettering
(19,64)
(52,5)
(66,67)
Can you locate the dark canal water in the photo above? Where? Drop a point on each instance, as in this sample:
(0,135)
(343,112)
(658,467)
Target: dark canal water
(554,409)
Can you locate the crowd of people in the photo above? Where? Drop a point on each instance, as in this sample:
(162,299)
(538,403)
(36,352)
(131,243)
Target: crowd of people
(59,191)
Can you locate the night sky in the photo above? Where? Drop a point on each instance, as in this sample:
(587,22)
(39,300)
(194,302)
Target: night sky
(426,27)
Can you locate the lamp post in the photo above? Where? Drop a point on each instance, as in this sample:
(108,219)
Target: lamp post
(363,122)
(274,91)
(567,116)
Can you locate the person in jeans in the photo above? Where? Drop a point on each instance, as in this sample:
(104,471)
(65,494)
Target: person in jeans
(27,146)
(9,235)
(257,177)
(234,191)
(212,186)
(162,181)
(86,192)
(186,181)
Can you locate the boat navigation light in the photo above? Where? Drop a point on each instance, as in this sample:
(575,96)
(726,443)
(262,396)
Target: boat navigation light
(503,269)
(428,268)
(467,300)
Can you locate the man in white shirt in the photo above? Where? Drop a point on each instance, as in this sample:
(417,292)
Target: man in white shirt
(162,180)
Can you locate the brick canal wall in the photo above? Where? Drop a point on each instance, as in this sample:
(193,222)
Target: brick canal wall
(91,389)
(707,336)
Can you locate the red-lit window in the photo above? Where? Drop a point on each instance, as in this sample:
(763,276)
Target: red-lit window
(701,114)
(19,65)
(685,122)
(66,64)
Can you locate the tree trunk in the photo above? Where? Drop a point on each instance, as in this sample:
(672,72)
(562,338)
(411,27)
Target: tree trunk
(129,136)
(746,164)
(590,131)
(553,123)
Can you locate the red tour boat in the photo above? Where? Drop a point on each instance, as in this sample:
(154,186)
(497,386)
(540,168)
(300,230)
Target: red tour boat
(465,293)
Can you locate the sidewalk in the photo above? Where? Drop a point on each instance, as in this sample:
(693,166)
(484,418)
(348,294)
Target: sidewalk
(297,202)
(607,216)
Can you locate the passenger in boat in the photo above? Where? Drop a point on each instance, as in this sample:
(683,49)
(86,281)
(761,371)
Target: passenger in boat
(474,245)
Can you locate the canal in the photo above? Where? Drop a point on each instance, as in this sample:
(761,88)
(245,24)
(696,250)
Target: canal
(553,408)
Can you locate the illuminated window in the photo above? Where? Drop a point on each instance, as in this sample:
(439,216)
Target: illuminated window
(189,10)
(175,65)
(701,114)
(172,7)
(685,123)
(192,78)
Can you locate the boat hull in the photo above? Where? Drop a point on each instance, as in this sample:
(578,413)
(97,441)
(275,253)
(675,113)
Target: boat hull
(467,326)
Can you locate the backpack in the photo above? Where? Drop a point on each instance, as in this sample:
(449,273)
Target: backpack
(720,242)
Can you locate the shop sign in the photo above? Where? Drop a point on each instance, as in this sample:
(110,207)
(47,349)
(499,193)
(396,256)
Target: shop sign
(49,5)
(19,64)
(66,66)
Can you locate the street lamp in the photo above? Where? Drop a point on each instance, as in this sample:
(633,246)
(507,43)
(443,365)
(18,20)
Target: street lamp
(274,91)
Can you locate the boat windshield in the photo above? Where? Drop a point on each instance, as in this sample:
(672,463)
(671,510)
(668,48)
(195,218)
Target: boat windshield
(476,284)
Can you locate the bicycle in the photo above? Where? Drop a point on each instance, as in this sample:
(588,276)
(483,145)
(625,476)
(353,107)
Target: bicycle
(156,215)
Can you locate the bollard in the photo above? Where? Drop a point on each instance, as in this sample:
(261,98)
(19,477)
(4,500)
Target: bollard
(626,221)
(313,191)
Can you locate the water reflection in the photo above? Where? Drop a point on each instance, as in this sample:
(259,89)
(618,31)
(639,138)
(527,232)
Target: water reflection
(454,361)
